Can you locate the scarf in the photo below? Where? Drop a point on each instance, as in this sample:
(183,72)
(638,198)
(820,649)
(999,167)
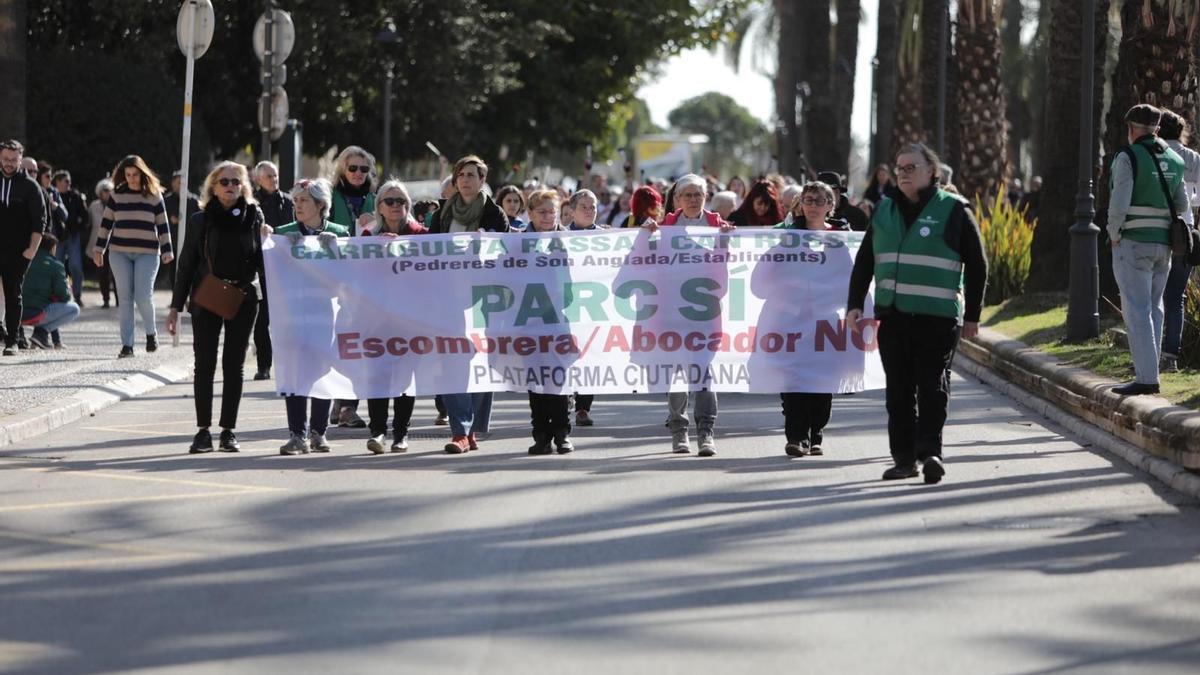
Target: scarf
(470,215)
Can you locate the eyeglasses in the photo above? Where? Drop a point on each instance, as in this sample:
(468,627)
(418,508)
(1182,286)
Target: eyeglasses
(909,168)
(360,168)
(812,201)
(226,182)
(393,201)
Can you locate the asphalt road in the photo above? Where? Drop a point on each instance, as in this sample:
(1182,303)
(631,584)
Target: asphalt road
(120,552)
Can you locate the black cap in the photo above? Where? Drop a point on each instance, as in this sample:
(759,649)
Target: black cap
(1144,114)
(832,178)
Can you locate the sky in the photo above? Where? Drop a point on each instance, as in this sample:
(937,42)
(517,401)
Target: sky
(698,71)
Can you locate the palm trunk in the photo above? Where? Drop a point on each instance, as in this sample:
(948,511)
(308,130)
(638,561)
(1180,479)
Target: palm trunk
(849,12)
(887,46)
(982,119)
(909,121)
(1051,255)
(819,132)
(12,68)
(787,80)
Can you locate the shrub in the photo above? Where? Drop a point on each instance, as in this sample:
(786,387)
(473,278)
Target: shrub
(1189,347)
(1007,241)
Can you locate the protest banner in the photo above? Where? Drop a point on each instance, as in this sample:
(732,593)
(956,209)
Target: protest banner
(603,312)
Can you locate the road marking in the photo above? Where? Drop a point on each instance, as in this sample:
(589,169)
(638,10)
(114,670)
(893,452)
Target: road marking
(137,553)
(233,487)
(128,500)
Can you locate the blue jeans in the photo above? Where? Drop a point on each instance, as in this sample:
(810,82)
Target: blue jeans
(1141,271)
(70,253)
(1173,299)
(135,274)
(469,413)
(57,315)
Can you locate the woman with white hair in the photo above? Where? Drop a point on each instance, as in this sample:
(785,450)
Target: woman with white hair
(103,190)
(689,195)
(724,203)
(312,199)
(223,239)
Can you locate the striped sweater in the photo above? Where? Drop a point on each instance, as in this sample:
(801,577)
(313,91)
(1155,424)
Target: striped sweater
(134,223)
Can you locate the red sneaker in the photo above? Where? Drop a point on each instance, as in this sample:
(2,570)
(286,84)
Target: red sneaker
(458,445)
(471,442)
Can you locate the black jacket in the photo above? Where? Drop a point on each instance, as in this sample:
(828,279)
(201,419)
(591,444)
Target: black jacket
(277,207)
(22,212)
(962,235)
(492,220)
(851,214)
(234,247)
(78,221)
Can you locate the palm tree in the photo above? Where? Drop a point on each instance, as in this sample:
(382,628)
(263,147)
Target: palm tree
(1060,140)
(886,78)
(845,48)
(983,123)
(908,124)
(12,68)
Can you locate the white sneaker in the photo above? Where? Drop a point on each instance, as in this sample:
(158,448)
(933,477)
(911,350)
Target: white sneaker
(294,446)
(317,442)
(708,447)
(375,444)
(679,442)
(400,444)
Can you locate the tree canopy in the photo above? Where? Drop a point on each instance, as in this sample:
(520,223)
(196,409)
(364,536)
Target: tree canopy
(734,134)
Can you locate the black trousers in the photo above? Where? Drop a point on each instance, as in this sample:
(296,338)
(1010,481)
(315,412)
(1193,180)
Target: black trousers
(262,336)
(402,415)
(437,403)
(550,413)
(297,414)
(13,266)
(805,416)
(206,329)
(916,352)
(108,286)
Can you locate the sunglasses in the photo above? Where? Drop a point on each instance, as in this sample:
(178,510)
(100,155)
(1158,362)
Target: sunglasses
(360,168)
(226,182)
(393,201)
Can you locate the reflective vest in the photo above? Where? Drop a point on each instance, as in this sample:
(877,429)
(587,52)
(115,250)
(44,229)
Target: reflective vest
(1149,217)
(915,271)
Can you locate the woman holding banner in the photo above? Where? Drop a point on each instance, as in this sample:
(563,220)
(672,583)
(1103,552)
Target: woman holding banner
(805,414)
(312,199)
(391,220)
(223,239)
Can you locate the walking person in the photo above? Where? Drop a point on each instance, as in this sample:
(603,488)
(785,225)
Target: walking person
(392,219)
(312,200)
(1139,230)
(277,211)
(550,414)
(171,199)
(134,232)
(23,221)
(75,229)
(1173,129)
(924,251)
(352,207)
(224,240)
(103,191)
(806,414)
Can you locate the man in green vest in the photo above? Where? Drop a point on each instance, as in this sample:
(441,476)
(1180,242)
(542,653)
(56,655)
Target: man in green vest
(925,254)
(1139,231)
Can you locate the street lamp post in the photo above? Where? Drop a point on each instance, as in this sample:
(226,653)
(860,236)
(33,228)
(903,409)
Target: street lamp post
(943,48)
(1083,313)
(387,37)
(268,64)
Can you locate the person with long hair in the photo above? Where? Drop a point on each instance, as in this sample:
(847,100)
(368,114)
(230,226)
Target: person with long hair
(224,240)
(760,208)
(877,187)
(135,234)
(737,185)
(512,201)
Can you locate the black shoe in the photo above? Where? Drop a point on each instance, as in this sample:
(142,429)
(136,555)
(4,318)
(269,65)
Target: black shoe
(151,344)
(40,339)
(10,350)
(562,441)
(1135,389)
(22,343)
(229,442)
(901,471)
(126,352)
(201,443)
(262,375)
(796,449)
(933,470)
(541,444)
(105,305)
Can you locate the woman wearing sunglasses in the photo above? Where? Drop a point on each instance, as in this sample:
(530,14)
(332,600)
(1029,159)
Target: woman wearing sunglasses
(223,239)
(353,208)
(805,414)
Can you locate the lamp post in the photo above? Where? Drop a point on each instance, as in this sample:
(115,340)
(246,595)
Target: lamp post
(387,37)
(943,48)
(1083,313)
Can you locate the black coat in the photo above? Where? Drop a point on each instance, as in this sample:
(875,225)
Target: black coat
(241,263)
(851,214)
(277,207)
(22,212)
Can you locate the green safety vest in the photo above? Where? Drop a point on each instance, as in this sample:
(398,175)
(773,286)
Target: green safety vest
(915,271)
(1149,217)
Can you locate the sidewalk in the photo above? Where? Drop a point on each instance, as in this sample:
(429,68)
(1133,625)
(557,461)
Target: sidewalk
(43,390)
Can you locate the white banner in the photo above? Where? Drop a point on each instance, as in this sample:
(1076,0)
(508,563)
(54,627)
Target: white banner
(604,312)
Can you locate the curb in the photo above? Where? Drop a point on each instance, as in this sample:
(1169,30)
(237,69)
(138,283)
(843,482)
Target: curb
(1150,436)
(86,402)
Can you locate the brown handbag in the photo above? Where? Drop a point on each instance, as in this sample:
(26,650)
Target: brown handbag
(215,294)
